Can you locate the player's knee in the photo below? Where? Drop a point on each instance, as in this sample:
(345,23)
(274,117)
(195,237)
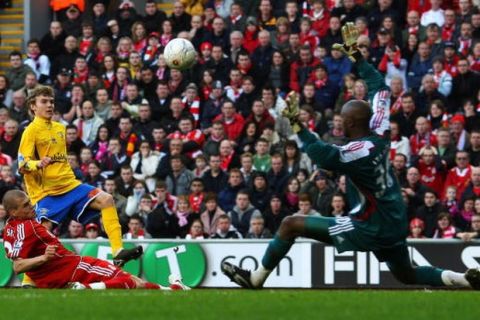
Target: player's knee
(405,276)
(290,226)
(105,200)
(139,283)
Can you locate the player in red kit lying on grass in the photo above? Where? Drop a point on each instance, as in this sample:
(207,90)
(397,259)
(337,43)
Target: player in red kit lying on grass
(36,251)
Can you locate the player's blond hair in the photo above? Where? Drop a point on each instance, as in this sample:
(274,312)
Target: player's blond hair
(37,92)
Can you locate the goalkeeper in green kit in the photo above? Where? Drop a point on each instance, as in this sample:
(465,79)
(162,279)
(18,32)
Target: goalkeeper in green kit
(377,221)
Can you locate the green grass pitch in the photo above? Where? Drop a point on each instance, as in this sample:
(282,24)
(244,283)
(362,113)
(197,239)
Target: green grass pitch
(239,304)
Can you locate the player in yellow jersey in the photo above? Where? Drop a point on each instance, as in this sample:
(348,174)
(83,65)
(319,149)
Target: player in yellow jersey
(50,181)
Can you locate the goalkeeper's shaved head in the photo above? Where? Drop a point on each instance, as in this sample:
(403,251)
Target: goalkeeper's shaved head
(356,116)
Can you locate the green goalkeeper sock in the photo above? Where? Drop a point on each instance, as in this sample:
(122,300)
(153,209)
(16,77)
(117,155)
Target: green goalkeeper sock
(429,275)
(277,249)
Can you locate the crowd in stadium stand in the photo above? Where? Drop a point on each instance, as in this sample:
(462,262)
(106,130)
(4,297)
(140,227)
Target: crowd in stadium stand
(206,153)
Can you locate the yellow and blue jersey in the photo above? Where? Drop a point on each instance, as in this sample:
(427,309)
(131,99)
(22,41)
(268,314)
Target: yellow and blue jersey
(45,138)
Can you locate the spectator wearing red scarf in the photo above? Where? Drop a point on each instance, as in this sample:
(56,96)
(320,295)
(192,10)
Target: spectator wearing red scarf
(247,68)
(250,41)
(152,50)
(193,139)
(459,135)
(87,40)
(445,228)
(465,40)
(423,136)
(308,36)
(228,157)
(234,89)
(80,71)
(128,138)
(191,102)
(196,196)
(413,26)
(135,228)
(451,58)
(320,17)
(450,26)
(460,175)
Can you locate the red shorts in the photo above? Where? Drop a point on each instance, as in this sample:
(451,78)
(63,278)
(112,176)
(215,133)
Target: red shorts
(91,270)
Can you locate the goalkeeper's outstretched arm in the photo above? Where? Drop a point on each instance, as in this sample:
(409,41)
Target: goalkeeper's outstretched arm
(378,96)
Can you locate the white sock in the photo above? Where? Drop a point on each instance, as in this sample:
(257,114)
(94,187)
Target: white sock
(259,276)
(164,288)
(451,278)
(97,286)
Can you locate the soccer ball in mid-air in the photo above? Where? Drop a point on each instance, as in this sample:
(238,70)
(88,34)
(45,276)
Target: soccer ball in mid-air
(179,54)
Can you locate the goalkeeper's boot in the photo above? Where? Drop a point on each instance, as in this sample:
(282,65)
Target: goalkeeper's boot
(125,255)
(237,275)
(176,282)
(473,277)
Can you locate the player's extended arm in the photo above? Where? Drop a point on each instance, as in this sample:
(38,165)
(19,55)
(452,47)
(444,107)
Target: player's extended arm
(379,96)
(24,265)
(374,79)
(322,154)
(378,92)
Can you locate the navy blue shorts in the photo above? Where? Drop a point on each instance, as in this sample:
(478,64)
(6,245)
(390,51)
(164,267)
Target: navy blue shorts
(70,205)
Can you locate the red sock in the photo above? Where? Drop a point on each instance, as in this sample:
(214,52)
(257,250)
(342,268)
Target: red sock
(151,286)
(120,283)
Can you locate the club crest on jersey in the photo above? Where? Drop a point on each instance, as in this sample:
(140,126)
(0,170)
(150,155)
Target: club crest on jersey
(17,245)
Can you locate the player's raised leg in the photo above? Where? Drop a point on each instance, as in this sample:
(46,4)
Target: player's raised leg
(105,204)
(398,261)
(291,227)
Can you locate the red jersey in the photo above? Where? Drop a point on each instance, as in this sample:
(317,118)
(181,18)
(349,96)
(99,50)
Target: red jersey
(417,142)
(320,23)
(196,201)
(195,135)
(458,178)
(431,177)
(233,129)
(28,239)
(451,65)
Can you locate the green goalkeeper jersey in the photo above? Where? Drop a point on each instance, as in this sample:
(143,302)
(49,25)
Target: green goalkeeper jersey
(373,192)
